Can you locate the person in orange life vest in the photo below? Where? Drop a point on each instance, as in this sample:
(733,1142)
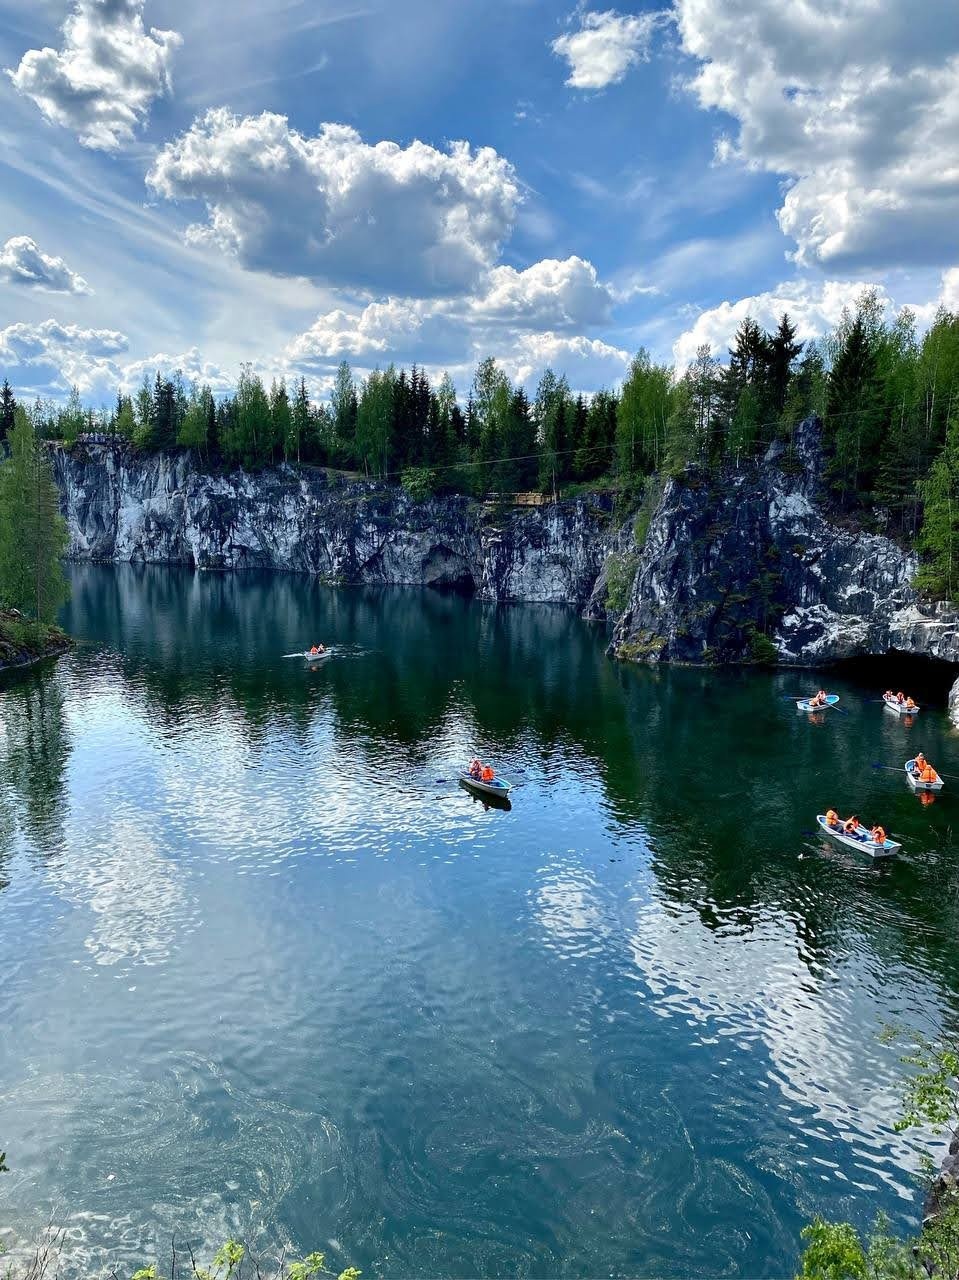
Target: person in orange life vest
(928,773)
(314,650)
(487,774)
(877,835)
(919,762)
(910,705)
(832,818)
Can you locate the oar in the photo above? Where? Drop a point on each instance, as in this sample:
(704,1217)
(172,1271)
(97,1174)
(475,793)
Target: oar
(892,769)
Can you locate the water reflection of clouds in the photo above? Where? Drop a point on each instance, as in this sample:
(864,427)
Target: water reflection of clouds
(818,1031)
(137,896)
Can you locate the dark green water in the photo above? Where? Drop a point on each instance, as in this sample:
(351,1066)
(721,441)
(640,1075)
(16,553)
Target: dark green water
(262,973)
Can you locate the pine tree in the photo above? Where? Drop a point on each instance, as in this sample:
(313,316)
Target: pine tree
(7,406)
(33,534)
(343,405)
(299,423)
(783,350)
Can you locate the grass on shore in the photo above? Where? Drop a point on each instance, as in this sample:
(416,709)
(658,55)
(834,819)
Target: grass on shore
(22,641)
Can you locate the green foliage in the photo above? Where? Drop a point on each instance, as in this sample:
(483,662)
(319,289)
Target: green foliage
(620,573)
(939,540)
(33,534)
(419,482)
(930,1098)
(762,650)
(833,1252)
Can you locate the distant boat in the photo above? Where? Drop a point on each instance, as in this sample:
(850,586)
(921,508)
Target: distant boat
(900,708)
(806,704)
(912,773)
(318,657)
(499,788)
(863,844)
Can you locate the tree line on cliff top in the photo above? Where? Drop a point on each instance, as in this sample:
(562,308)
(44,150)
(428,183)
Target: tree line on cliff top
(888,398)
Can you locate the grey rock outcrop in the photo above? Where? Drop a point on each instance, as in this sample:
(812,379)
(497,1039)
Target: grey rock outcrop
(747,565)
(160,509)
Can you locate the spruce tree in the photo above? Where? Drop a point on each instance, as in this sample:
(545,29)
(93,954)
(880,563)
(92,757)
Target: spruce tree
(33,534)
(7,406)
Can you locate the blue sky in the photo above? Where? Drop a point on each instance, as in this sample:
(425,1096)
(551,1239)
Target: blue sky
(292,182)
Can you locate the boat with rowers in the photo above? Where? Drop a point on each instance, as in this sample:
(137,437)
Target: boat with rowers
(482,778)
(816,703)
(922,776)
(317,653)
(901,705)
(859,838)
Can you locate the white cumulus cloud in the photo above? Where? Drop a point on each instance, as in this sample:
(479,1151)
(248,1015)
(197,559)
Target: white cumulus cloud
(192,364)
(48,358)
(856,104)
(605,47)
(102,82)
(588,363)
(22,261)
(815,307)
(558,293)
(406,220)
(548,299)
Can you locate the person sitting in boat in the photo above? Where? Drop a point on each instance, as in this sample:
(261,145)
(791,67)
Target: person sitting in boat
(819,700)
(877,835)
(900,697)
(851,828)
(919,763)
(927,773)
(889,694)
(487,775)
(475,769)
(832,819)
(910,705)
(313,651)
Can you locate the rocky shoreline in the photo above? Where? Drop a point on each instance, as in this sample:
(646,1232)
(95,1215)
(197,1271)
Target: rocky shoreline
(19,646)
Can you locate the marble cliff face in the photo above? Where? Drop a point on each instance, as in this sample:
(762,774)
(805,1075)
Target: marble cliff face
(735,566)
(159,509)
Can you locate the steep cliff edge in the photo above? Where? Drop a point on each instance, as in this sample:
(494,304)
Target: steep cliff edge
(159,509)
(746,565)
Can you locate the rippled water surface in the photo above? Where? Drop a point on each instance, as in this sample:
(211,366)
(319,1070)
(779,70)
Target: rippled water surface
(266,970)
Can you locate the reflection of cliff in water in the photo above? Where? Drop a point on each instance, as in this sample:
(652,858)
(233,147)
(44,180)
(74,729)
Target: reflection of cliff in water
(703,766)
(186,643)
(34,750)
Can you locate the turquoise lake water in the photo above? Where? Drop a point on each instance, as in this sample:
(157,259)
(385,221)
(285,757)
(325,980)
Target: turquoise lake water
(267,971)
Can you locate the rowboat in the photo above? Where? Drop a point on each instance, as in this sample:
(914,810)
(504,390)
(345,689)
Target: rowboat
(498,787)
(805,704)
(900,708)
(864,844)
(912,773)
(318,657)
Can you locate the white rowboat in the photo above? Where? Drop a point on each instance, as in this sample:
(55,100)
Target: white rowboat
(865,845)
(499,787)
(805,704)
(912,773)
(318,657)
(900,708)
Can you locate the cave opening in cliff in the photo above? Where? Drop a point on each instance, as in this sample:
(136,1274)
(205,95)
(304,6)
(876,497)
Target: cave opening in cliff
(925,679)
